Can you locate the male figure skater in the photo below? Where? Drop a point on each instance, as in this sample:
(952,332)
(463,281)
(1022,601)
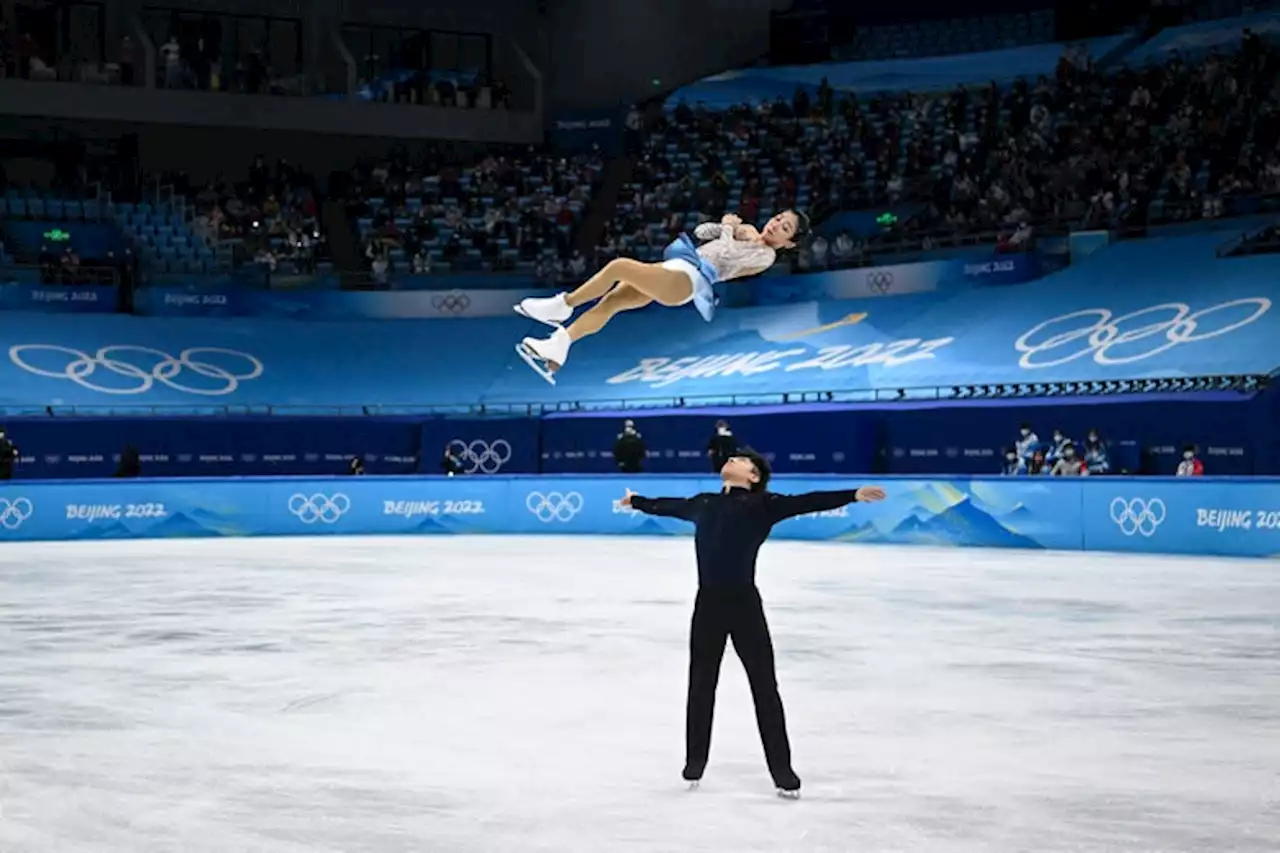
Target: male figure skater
(731,526)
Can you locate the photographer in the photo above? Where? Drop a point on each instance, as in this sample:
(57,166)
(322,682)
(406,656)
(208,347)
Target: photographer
(8,456)
(629,450)
(722,446)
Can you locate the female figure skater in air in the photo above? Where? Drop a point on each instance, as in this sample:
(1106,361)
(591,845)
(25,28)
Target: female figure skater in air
(686,274)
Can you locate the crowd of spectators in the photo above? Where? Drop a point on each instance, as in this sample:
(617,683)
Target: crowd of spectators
(1085,148)
(511,210)
(1081,148)
(271,220)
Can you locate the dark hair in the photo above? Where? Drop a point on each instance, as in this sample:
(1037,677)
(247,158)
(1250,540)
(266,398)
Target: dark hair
(803,226)
(801,236)
(762,468)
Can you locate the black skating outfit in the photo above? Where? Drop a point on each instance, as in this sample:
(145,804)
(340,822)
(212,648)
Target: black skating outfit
(731,527)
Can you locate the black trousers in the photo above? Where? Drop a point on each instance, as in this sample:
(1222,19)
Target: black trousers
(737,612)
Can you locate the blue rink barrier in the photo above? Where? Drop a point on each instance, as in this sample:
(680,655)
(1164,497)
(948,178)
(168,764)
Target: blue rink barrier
(1225,516)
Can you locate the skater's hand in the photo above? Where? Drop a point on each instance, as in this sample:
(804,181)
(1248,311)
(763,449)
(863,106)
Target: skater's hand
(869,494)
(730,219)
(626,499)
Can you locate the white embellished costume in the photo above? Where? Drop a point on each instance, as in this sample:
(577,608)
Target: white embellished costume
(731,257)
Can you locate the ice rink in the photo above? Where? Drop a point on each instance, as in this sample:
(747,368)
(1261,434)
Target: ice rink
(485,695)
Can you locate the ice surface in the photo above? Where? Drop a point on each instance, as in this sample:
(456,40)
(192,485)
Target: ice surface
(484,695)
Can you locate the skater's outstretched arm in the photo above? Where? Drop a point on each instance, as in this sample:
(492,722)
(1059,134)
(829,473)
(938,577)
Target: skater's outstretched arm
(782,507)
(683,508)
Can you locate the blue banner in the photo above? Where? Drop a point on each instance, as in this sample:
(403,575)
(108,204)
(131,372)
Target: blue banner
(1135,310)
(579,131)
(325,304)
(189,301)
(1195,40)
(897,280)
(59,298)
(929,74)
(1153,515)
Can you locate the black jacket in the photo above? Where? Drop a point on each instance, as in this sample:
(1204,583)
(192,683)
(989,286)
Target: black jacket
(629,452)
(732,525)
(8,456)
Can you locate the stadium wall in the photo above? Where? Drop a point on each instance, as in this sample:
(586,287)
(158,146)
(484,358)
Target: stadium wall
(1144,433)
(1218,516)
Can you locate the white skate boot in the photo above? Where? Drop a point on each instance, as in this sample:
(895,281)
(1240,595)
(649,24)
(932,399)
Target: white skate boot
(546,356)
(552,310)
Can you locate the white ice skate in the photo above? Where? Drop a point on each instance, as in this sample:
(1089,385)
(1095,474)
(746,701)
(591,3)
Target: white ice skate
(546,356)
(552,310)
(789,795)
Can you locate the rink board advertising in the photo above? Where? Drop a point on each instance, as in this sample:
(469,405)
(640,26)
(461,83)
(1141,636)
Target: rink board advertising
(1221,516)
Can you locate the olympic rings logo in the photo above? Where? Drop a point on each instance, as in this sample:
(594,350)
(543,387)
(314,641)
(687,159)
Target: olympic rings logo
(480,455)
(14,512)
(451,303)
(554,506)
(319,508)
(80,366)
(881,281)
(1178,325)
(1138,516)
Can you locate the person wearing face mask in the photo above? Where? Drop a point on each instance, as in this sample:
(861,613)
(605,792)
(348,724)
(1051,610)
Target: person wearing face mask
(722,446)
(1190,466)
(629,450)
(8,456)
(1014,465)
(1060,443)
(1035,465)
(1095,454)
(1069,464)
(1027,442)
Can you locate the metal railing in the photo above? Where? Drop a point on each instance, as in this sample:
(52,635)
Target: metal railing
(1242,384)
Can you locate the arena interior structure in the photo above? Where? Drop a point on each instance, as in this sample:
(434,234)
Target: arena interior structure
(258,260)
(255,244)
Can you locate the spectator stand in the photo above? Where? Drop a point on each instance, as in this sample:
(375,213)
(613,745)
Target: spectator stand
(506,212)
(975,34)
(270,222)
(59,237)
(1077,150)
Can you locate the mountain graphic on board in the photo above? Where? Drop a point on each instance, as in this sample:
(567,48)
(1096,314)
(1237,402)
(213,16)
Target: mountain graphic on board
(1017,514)
(179,525)
(652,527)
(961,523)
(114,530)
(430,526)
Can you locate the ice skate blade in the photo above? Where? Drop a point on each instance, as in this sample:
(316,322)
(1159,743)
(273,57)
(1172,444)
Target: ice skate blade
(694,785)
(531,358)
(788,795)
